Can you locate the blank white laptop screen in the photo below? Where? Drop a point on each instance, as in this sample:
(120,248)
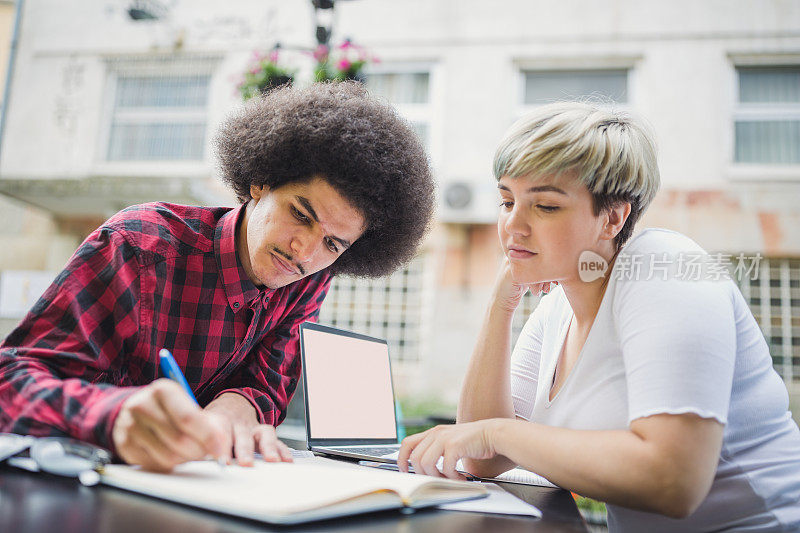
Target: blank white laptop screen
(349,387)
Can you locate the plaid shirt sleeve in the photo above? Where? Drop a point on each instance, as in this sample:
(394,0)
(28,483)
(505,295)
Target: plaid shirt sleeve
(273,370)
(78,334)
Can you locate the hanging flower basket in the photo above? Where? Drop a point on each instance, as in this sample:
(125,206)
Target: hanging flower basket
(264,75)
(345,62)
(275,81)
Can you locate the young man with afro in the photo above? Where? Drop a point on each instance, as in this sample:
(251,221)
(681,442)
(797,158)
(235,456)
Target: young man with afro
(331,181)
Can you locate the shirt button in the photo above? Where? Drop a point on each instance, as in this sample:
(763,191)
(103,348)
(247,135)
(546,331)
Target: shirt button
(236,305)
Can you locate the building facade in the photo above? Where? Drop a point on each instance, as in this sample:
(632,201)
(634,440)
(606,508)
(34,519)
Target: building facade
(105,111)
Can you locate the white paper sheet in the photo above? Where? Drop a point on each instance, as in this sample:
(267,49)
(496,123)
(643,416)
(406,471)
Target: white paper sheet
(498,502)
(515,475)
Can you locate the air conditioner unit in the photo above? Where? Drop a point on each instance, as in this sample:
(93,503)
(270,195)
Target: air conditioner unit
(458,195)
(457,199)
(465,203)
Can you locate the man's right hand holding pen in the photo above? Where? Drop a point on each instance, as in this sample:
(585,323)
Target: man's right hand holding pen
(160,427)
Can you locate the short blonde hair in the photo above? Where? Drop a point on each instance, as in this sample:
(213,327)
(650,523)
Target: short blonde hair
(611,152)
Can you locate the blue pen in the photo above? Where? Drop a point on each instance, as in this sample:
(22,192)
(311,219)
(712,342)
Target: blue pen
(170,369)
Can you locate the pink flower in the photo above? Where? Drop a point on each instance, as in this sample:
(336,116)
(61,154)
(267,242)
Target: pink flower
(256,55)
(255,70)
(273,56)
(321,53)
(345,44)
(343,64)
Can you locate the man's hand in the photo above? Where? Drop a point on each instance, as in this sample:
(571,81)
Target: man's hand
(474,440)
(247,434)
(160,427)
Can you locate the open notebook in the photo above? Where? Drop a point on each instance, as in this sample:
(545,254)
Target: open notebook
(285,493)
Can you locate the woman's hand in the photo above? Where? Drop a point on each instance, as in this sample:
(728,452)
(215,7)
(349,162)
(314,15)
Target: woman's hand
(508,293)
(474,440)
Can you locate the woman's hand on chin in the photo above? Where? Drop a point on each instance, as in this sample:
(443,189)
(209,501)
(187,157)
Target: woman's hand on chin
(508,293)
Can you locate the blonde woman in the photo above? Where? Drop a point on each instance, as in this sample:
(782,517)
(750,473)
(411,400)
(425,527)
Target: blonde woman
(637,380)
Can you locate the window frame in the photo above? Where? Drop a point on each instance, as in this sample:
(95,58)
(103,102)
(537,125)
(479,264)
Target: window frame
(430,112)
(394,307)
(164,67)
(577,64)
(740,171)
(773,285)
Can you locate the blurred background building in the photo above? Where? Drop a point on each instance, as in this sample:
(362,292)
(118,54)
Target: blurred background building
(116,102)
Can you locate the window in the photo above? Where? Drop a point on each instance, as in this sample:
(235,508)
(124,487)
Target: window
(389,308)
(408,90)
(767,117)
(774,298)
(401,88)
(545,86)
(159,111)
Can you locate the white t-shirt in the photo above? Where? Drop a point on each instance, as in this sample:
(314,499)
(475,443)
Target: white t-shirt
(679,342)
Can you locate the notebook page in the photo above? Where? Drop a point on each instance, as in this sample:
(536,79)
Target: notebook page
(266,490)
(520,475)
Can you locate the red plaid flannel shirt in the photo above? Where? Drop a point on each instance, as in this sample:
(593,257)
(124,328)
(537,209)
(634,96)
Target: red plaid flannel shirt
(153,276)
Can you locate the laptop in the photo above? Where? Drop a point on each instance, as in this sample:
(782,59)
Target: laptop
(350,409)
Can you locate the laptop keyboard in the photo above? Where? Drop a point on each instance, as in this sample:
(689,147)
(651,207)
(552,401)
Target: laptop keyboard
(375,452)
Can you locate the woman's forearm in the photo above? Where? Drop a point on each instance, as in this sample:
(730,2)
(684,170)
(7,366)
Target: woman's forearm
(486,390)
(615,466)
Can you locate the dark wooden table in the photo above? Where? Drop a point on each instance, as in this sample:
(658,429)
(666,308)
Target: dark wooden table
(41,503)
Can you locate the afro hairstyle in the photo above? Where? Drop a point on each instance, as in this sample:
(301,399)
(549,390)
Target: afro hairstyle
(357,143)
